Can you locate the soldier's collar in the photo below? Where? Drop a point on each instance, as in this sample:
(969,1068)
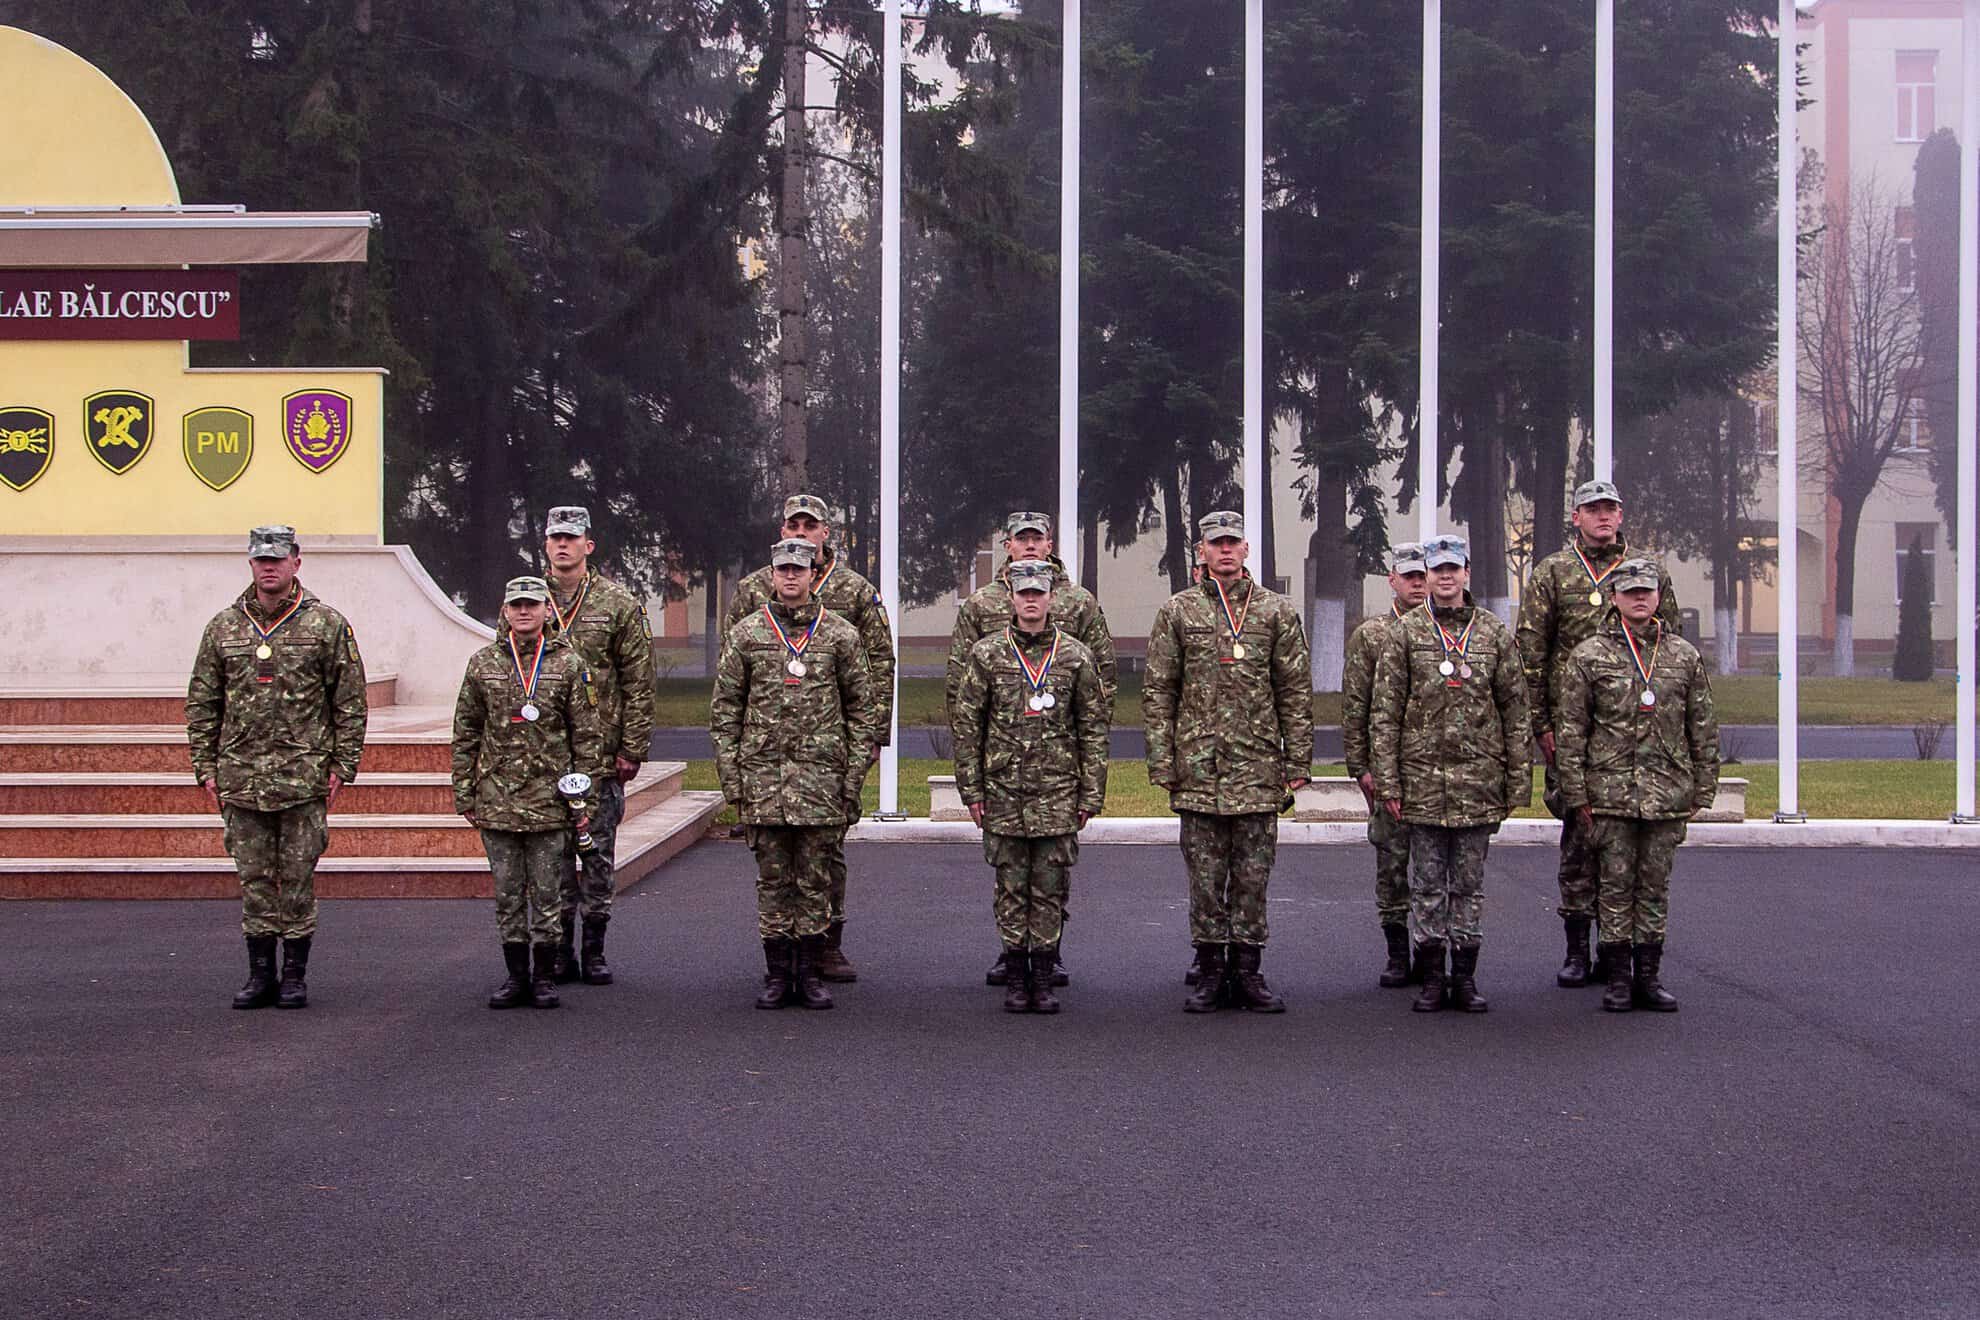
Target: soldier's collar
(800,613)
(299,594)
(1209,583)
(1615,547)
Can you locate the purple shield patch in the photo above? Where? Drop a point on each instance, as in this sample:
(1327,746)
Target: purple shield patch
(316,425)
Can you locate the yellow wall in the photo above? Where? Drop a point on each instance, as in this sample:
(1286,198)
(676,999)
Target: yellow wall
(77,140)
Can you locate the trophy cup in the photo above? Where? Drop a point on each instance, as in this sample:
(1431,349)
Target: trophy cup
(572,788)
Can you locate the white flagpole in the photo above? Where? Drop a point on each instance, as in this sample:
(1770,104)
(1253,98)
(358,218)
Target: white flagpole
(1787,717)
(1969,344)
(1605,238)
(1432,297)
(1254,279)
(890,378)
(1067,540)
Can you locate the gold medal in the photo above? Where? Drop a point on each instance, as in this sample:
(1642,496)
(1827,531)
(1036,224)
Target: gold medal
(1237,650)
(264,652)
(1594,598)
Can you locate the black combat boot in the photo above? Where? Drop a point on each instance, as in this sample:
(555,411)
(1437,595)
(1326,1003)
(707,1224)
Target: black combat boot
(1430,999)
(514,992)
(1599,973)
(295,974)
(1252,991)
(1059,976)
(999,973)
(1648,991)
(1464,989)
(1616,998)
(832,964)
(258,991)
(779,973)
(1042,998)
(566,969)
(594,968)
(1195,973)
(1574,972)
(1208,996)
(543,978)
(1397,972)
(811,991)
(1016,981)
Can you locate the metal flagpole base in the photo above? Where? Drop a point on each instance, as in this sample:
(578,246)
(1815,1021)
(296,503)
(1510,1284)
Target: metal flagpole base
(892,817)
(1957,819)
(1790,818)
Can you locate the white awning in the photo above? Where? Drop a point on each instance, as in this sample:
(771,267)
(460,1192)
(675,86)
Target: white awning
(180,236)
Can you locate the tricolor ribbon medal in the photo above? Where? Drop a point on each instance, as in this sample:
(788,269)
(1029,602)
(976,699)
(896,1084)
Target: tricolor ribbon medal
(795,666)
(1235,620)
(1040,700)
(264,653)
(1455,671)
(1648,697)
(529,712)
(564,619)
(1595,579)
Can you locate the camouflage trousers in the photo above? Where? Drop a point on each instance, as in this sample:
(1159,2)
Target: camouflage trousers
(835,865)
(1447,883)
(527,866)
(1032,875)
(793,878)
(1577,876)
(1635,859)
(585,883)
(1391,839)
(1230,864)
(275,856)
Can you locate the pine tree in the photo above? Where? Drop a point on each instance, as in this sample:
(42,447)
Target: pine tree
(1913,661)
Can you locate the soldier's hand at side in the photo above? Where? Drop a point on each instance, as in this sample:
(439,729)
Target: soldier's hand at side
(625,769)
(1294,785)
(336,787)
(1546,741)
(212,795)
(1084,816)
(1395,808)
(1367,785)
(1586,817)
(976,809)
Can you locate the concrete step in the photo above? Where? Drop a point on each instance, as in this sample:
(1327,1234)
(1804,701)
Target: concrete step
(645,844)
(157,749)
(41,699)
(202,835)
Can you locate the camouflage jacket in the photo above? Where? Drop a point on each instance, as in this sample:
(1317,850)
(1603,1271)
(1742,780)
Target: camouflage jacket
(273,744)
(789,749)
(609,632)
(1454,750)
(1555,616)
(506,768)
(1225,735)
(1075,612)
(853,599)
(1358,688)
(1033,771)
(1619,759)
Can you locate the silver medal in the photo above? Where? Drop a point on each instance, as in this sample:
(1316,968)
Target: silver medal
(1237,650)
(1464,671)
(1649,697)
(796,668)
(1047,700)
(1447,669)
(1037,702)
(530,712)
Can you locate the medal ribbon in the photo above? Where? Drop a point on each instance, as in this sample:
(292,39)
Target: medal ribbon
(795,648)
(1462,644)
(1594,579)
(825,577)
(1235,620)
(564,621)
(1636,656)
(535,666)
(1035,677)
(295,603)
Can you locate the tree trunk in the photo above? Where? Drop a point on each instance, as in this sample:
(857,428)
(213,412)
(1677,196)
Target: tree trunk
(1268,545)
(1089,556)
(790,254)
(1549,493)
(711,623)
(1847,528)
(1175,532)
(1725,619)
(1330,581)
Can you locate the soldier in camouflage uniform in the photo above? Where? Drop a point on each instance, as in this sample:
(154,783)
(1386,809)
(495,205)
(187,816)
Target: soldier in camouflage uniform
(1030,717)
(1563,606)
(1075,612)
(1227,706)
(522,721)
(852,599)
(793,719)
(1448,736)
(606,626)
(275,719)
(1638,747)
(1408,586)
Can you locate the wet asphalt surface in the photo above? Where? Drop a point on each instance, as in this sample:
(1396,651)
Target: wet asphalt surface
(1801,1140)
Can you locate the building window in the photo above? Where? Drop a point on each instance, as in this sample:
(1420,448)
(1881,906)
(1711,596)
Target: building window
(982,571)
(1926,534)
(1915,434)
(1917,86)
(1905,226)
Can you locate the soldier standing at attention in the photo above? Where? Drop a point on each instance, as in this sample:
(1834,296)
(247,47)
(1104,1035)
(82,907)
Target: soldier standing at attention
(793,719)
(1227,705)
(1561,608)
(275,719)
(987,613)
(522,721)
(1408,586)
(1030,718)
(1448,736)
(853,600)
(1638,743)
(607,629)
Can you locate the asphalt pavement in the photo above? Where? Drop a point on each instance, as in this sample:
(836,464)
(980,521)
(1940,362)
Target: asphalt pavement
(1799,1141)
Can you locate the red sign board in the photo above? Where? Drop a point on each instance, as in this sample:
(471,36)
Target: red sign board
(120,304)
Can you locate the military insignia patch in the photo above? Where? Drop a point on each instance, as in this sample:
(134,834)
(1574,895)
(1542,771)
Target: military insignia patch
(218,444)
(316,426)
(27,445)
(117,428)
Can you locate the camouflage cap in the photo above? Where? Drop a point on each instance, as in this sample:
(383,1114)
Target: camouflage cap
(272,542)
(568,520)
(1407,557)
(1589,492)
(525,588)
(1031,575)
(808,505)
(793,550)
(1635,575)
(1441,550)
(1221,525)
(1024,521)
